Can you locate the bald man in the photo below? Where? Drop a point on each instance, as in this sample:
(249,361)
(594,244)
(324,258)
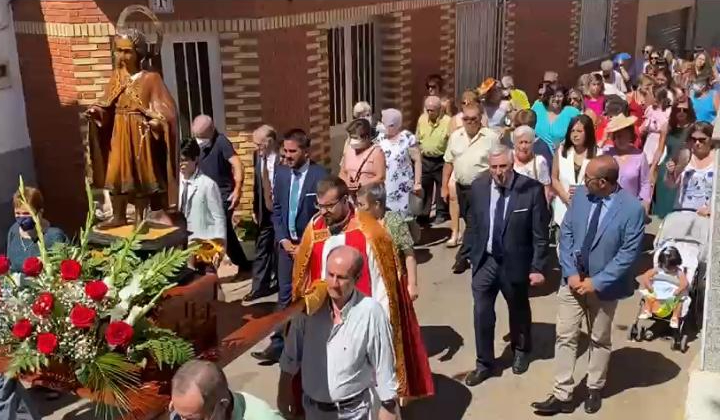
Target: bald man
(432,133)
(600,239)
(219,161)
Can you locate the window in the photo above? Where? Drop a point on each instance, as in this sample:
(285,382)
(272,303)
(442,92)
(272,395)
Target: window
(162,6)
(191,66)
(351,60)
(594,30)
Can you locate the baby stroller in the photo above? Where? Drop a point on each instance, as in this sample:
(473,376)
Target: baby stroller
(689,233)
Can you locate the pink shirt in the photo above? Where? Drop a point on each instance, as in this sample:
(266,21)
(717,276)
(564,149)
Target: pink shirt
(372,167)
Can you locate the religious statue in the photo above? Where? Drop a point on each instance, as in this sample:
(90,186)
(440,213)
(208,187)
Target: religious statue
(133,134)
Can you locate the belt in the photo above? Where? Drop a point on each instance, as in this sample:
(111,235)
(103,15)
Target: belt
(334,407)
(437,157)
(463,187)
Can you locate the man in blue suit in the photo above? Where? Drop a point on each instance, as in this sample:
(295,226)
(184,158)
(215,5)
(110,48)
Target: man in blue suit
(600,239)
(294,205)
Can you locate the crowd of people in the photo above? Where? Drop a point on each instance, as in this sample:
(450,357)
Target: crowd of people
(585,167)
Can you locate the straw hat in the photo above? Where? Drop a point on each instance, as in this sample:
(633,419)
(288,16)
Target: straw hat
(619,122)
(486,85)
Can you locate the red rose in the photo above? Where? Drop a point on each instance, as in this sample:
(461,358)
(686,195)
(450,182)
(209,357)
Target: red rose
(43,304)
(119,333)
(46,343)
(82,316)
(4,264)
(96,290)
(22,329)
(70,270)
(32,266)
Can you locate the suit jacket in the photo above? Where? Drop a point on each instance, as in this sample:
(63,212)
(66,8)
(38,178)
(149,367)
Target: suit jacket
(525,235)
(205,214)
(262,214)
(281,199)
(616,245)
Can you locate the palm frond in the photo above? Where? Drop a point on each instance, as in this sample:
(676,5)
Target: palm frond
(113,379)
(40,235)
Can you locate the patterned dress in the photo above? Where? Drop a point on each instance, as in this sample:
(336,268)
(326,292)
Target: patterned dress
(399,175)
(399,232)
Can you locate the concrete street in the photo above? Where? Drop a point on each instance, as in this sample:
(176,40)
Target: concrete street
(646,380)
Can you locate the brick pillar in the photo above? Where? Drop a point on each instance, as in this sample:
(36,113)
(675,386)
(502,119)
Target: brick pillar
(447,48)
(614,19)
(575,17)
(319,94)
(241,89)
(508,42)
(395,64)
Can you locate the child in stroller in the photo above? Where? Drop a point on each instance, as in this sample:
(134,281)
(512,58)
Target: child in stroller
(663,287)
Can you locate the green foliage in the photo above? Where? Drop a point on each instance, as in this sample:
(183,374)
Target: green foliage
(168,350)
(118,261)
(114,379)
(26,360)
(89,220)
(156,270)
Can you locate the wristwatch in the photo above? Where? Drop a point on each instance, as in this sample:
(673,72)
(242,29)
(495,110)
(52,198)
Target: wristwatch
(389,405)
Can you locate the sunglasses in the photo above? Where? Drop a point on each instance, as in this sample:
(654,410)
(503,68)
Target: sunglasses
(470,119)
(699,139)
(429,86)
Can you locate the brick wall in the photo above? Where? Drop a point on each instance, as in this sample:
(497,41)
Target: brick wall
(318,92)
(395,59)
(425,32)
(447,47)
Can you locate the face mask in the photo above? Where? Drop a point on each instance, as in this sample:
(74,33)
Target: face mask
(202,142)
(26,223)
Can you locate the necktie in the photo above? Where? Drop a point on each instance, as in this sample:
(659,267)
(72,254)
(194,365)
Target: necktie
(294,200)
(266,187)
(184,199)
(498,224)
(590,237)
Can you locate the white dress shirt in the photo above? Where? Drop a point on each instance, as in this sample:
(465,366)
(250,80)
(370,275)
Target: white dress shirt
(494,197)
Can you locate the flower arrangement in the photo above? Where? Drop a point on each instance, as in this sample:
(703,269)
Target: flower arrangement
(86,310)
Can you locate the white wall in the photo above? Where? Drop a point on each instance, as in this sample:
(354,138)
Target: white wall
(15,151)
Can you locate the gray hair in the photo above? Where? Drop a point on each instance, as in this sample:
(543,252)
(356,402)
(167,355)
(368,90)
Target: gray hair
(499,150)
(357,261)
(433,101)
(374,192)
(524,130)
(206,376)
(361,108)
(269,132)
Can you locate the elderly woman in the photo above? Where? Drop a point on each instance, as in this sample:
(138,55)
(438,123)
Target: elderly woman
(553,115)
(22,238)
(528,163)
(372,199)
(402,161)
(634,169)
(363,162)
(694,179)
(363,110)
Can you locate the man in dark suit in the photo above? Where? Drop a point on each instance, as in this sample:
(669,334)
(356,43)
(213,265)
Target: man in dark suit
(508,247)
(265,160)
(600,240)
(294,205)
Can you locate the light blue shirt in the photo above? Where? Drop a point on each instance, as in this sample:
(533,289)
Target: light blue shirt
(301,180)
(494,197)
(606,203)
(553,133)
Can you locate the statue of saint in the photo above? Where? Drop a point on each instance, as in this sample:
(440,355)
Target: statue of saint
(133,134)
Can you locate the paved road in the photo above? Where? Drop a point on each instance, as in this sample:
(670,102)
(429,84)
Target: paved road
(646,380)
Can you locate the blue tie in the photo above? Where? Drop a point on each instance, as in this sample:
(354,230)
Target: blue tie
(498,224)
(294,200)
(590,237)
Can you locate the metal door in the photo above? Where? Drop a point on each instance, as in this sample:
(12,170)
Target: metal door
(478,42)
(668,30)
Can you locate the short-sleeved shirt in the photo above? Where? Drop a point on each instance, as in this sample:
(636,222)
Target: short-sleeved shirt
(215,163)
(537,169)
(433,137)
(469,156)
(247,407)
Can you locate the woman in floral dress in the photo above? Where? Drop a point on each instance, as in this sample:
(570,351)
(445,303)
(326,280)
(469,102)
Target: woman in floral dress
(402,158)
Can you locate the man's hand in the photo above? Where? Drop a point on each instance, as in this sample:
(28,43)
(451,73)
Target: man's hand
(536,279)
(670,166)
(417,188)
(386,415)
(703,211)
(586,287)
(413,291)
(445,193)
(234,199)
(289,247)
(285,398)
(574,282)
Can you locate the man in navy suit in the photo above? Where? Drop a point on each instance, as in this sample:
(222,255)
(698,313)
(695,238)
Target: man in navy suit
(508,248)
(294,205)
(600,239)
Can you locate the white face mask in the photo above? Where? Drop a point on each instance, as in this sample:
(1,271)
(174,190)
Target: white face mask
(202,142)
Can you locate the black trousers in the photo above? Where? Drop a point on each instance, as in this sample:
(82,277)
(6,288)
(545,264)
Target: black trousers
(486,283)
(463,196)
(234,249)
(285,266)
(264,266)
(432,169)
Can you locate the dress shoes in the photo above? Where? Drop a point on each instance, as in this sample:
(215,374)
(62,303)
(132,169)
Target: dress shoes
(521,362)
(593,401)
(254,295)
(269,355)
(552,406)
(460,266)
(478,376)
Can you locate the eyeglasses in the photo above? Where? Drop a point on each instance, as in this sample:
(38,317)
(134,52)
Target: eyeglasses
(328,206)
(654,58)
(470,119)
(591,179)
(699,139)
(431,86)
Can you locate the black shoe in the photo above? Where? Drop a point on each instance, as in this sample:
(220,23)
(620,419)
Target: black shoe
(255,295)
(460,266)
(477,376)
(521,362)
(552,406)
(268,355)
(593,401)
